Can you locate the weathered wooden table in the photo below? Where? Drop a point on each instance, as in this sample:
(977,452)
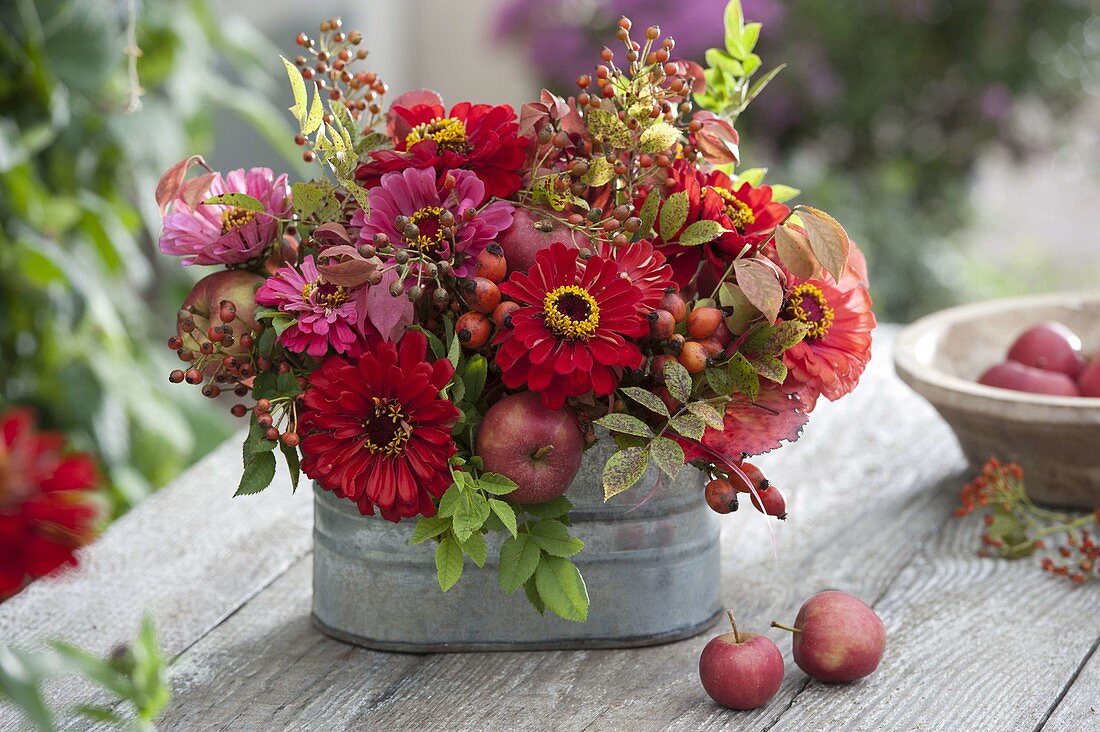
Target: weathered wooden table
(973,644)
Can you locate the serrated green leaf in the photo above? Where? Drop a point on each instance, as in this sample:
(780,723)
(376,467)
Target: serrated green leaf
(658,137)
(773,340)
(753,176)
(648,214)
(298,88)
(555,508)
(625,423)
(647,399)
(309,198)
(469,515)
(711,416)
(668,455)
(505,513)
(259,470)
(287,384)
(281,322)
(673,214)
(316,114)
(678,381)
(293,464)
(688,425)
(497,484)
(600,171)
(770,368)
(623,469)
(448,563)
(608,128)
(562,588)
(429,528)
(475,549)
(743,376)
(255,442)
(519,556)
(473,374)
(553,537)
(450,500)
(236,200)
(718,380)
(454,354)
(532,593)
(700,232)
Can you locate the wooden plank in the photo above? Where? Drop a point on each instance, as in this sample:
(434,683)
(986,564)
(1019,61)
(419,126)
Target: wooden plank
(1079,709)
(865,499)
(189,555)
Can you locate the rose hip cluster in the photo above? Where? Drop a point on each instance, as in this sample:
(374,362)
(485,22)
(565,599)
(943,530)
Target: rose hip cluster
(744,477)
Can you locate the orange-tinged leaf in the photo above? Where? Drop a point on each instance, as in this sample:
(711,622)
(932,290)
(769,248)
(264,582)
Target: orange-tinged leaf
(828,240)
(796,253)
(759,282)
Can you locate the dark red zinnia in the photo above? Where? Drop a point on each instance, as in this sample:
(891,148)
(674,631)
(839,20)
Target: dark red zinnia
(748,212)
(47,503)
(376,432)
(640,264)
(569,336)
(478,137)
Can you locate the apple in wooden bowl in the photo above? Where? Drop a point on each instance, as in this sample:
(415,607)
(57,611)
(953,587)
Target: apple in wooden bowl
(1050,430)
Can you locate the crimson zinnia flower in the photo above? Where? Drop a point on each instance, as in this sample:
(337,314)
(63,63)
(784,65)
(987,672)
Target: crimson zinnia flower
(47,507)
(830,360)
(377,433)
(640,264)
(748,212)
(569,336)
(481,138)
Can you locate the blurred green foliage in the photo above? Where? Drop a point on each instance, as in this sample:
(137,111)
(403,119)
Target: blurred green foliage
(87,303)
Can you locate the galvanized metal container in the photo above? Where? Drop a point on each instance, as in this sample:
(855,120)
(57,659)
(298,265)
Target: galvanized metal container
(652,574)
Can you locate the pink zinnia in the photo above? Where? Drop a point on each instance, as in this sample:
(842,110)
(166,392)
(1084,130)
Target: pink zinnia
(446,230)
(326,313)
(220,234)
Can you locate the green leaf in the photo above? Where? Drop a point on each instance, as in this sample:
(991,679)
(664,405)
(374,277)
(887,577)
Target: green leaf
(770,368)
(678,381)
(532,593)
(562,588)
(647,399)
(553,537)
(293,464)
(258,473)
(673,215)
(759,84)
(773,340)
(450,500)
(625,423)
(287,384)
(429,528)
(658,137)
(549,509)
(448,563)
(711,416)
(784,193)
(716,58)
(255,442)
(505,513)
(700,232)
(743,376)
(718,380)
(734,19)
(473,374)
(309,198)
(497,484)
(753,176)
(469,514)
(298,87)
(608,128)
(455,352)
(648,214)
(750,35)
(475,549)
(600,171)
(518,558)
(668,455)
(236,200)
(688,425)
(281,322)
(623,469)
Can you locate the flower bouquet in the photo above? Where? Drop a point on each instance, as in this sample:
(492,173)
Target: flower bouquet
(464,300)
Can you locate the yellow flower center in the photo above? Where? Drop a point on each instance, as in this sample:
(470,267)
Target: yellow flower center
(387,430)
(432,234)
(737,211)
(571,312)
(449,133)
(807,304)
(235,218)
(325,294)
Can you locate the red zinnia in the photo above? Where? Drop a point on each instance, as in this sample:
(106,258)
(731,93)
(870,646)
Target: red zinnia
(376,431)
(47,508)
(748,212)
(830,360)
(642,265)
(478,137)
(568,337)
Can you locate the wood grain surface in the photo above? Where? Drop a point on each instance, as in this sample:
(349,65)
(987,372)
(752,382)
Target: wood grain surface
(973,644)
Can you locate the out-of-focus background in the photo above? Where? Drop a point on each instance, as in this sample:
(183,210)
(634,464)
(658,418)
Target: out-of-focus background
(957,140)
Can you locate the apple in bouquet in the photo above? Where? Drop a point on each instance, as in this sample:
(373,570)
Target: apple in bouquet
(530,233)
(538,448)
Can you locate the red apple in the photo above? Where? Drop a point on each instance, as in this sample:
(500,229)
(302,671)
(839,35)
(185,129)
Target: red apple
(1018,377)
(837,637)
(204,304)
(1048,346)
(1089,380)
(529,234)
(741,670)
(538,448)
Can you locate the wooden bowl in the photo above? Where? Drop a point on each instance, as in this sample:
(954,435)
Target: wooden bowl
(1056,440)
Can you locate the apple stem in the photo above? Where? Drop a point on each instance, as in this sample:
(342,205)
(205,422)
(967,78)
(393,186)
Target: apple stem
(786,627)
(543,452)
(733,622)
